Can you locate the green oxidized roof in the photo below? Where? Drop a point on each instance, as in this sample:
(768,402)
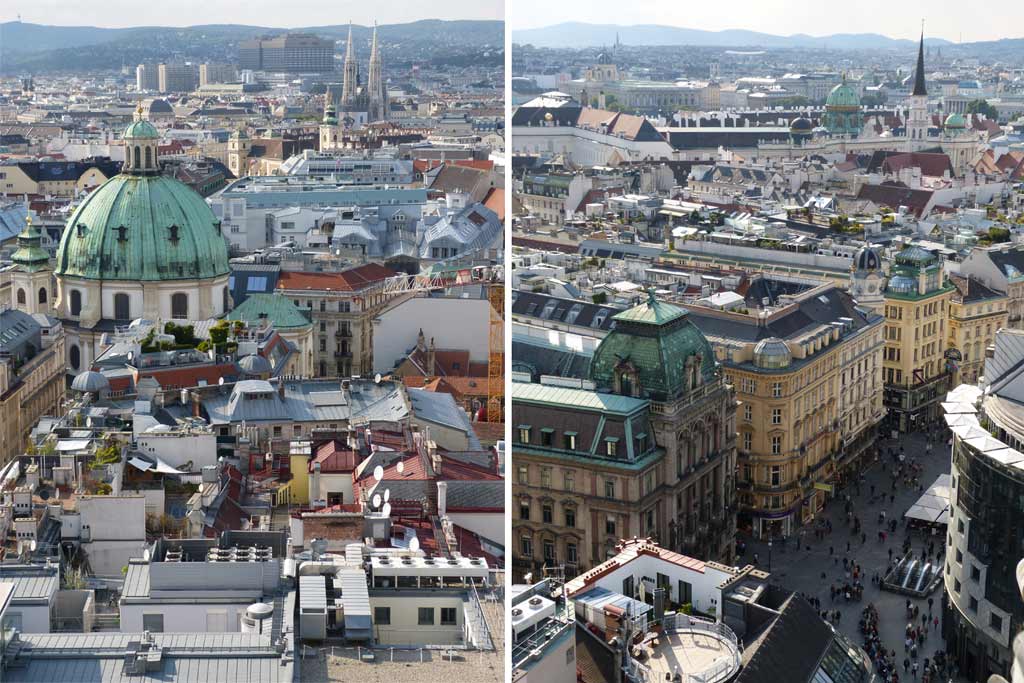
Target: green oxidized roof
(843,96)
(30,255)
(141,129)
(169,233)
(955,120)
(656,338)
(278,309)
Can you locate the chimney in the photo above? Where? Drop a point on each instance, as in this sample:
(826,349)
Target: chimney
(442,498)
(280,388)
(195,405)
(314,483)
(431,357)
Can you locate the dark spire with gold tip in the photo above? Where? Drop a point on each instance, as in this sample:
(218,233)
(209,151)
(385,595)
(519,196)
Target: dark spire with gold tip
(919,89)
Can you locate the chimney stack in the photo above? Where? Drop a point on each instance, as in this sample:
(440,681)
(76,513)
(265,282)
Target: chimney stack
(442,498)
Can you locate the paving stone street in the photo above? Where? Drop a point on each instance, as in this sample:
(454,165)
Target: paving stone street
(801,570)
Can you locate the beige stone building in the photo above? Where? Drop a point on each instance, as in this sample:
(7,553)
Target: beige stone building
(976,313)
(806,375)
(55,178)
(342,306)
(915,371)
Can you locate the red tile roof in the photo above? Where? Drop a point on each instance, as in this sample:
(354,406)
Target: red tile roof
(335,457)
(351,280)
(178,378)
(495,201)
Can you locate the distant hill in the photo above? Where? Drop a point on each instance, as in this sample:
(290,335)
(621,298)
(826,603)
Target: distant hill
(577,34)
(39,48)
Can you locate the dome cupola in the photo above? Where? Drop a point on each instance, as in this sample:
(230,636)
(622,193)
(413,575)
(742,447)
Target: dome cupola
(772,354)
(867,259)
(141,143)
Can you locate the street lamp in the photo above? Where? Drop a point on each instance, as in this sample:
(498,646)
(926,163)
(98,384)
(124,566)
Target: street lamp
(769,554)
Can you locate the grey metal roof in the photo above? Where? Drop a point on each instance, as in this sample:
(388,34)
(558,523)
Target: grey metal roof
(100,658)
(31,582)
(356,599)
(313,592)
(441,408)
(136,581)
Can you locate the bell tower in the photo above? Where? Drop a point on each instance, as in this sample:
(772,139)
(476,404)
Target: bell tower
(32,278)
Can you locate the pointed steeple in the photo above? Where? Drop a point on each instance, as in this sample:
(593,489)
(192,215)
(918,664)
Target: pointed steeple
(375,85)
(919,89)
(351,74)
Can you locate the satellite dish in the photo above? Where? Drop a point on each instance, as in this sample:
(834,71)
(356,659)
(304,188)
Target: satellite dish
(378,472)
(221,380)
(386,509)
(376,500)
(414,544)
(387,495)
(377,378)
(401,466)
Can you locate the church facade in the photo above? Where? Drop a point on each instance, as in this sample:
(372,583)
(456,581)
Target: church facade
(358,103)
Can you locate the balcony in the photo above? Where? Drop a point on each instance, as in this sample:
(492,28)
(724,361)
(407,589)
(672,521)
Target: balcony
(342,354)
(343,334)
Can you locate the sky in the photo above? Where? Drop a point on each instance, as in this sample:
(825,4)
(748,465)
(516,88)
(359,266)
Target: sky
(947,19)
(272,13)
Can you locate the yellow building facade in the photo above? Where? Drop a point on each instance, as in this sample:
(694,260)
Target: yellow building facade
(975,314)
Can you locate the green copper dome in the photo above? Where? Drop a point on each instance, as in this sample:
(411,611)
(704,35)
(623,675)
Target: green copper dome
(142,227)
(30,256)
(955,121)
(654,339)
(843,98)
(141,130)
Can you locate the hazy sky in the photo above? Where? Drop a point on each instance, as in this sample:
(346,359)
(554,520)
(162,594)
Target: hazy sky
(987,20)
(275,13)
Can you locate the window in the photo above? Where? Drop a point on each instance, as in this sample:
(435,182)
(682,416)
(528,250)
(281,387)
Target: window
(448,616)
(570,518)
(959,556)
(776,389)
(569,441)
(611,446)
(122,307)
(609,488)
(43,295)
(995,621)
(960,525)
(524,475)
(524,433)
(179,306)
(76,302)
(609,525)
(748,441)
(775,475)
(425,616)
(526,545)
(972,604)
(154,623)
(524,510)
(956,586)
(549,552)
(547,513)
(75,356)
(748,413)
(21,297)
(776,445)
(975,573)
(685,593)
(382,616)
(570,553)
(570,480)
(545,477)
(776,416)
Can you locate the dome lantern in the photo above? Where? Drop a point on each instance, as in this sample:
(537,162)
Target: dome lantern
(141,144)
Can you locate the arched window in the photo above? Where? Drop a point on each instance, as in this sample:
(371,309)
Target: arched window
(42,295)
(122,307)
(138,157)
(179,306)
(76,356)
(149,157)
(225,299)
(76,302)
(21,297)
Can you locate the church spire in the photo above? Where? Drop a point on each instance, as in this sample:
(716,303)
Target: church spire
(30,255)
(351,74)
(919,89)
(378,93)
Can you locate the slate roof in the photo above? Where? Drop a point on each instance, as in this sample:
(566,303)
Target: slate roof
(790,647)
(466,496)
(895,195)
(970,290)
(586,314)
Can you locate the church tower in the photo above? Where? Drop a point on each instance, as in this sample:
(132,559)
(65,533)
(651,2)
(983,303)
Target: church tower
(32,279)
(350,84)
(918,120)
(867,279)
(378,92)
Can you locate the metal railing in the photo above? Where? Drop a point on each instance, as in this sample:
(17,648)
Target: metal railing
(476,624)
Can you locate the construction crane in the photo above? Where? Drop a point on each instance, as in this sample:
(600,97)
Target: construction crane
(492,279)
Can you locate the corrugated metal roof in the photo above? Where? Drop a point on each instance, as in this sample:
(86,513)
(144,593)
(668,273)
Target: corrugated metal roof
(31,582)
(313,592)
(356,599)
